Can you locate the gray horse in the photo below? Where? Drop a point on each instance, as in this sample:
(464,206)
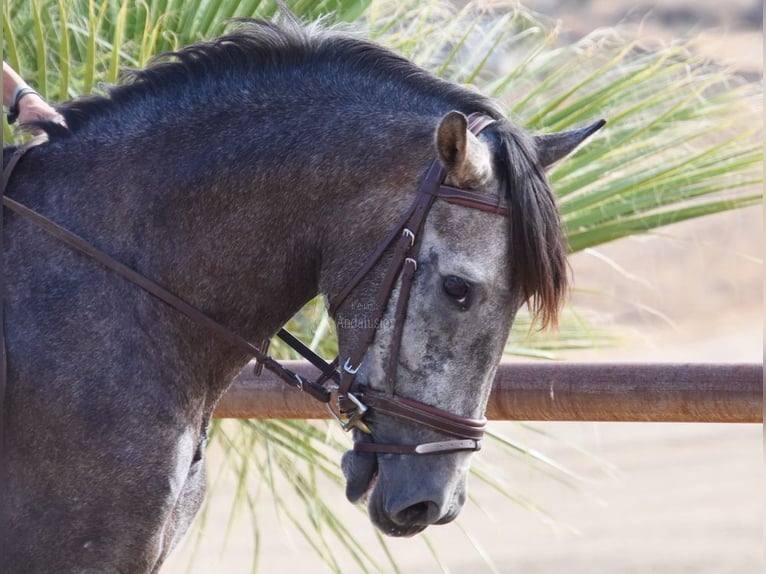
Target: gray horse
(247,175)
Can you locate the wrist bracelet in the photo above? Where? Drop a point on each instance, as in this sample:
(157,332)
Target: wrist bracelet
(18,95)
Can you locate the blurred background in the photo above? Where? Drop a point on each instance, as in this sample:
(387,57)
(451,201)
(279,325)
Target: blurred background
(692,292)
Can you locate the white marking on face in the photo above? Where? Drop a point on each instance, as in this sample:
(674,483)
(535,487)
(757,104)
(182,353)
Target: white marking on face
(448,354)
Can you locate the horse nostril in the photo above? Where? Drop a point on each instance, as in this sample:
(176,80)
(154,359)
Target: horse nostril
(420,513)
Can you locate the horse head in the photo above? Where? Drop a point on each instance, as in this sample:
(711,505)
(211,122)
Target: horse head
(419,357)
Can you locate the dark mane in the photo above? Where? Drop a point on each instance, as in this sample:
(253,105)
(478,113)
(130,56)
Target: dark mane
(538,242)
(259,48)
(238,64)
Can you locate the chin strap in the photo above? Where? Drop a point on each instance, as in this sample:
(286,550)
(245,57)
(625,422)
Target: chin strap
(440,447)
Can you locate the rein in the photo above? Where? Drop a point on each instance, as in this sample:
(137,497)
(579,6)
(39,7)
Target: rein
(354,399)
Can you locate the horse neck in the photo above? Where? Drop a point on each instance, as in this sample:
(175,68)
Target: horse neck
(203,220)
(242,221)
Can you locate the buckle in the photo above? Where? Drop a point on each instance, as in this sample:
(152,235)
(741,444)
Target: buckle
(355,419)
(408,233)
(264,349)
(349,368)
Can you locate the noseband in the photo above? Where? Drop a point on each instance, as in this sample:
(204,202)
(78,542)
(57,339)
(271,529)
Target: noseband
(354,399)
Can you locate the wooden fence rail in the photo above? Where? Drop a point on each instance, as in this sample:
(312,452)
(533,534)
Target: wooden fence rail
(661,392)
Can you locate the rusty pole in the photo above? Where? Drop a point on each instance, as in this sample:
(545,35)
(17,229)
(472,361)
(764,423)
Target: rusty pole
(535,391)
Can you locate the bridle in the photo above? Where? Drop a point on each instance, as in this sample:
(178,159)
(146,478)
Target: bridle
(354,400)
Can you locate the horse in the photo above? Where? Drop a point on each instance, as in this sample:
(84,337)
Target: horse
(246,175)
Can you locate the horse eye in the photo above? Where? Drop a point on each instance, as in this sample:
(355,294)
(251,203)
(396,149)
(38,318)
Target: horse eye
(457,288)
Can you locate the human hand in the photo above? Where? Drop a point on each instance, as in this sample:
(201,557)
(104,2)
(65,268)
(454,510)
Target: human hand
(32,107)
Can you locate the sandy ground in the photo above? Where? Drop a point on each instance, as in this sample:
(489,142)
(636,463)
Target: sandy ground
(654,498)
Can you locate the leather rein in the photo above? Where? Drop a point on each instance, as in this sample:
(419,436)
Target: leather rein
(354,400)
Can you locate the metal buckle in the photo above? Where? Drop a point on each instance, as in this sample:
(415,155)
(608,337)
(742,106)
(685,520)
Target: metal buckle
(408,232)
(263,348)
(299,381)
(361,407)
(349,369)
(355,420)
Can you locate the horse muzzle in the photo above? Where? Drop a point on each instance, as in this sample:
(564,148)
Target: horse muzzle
(404,494)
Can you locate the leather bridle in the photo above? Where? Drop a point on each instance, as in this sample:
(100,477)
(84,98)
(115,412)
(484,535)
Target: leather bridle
(354,399)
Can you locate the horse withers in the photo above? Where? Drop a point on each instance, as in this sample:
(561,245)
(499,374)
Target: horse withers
(246,175)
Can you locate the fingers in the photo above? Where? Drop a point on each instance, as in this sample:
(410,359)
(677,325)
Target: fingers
(33,108)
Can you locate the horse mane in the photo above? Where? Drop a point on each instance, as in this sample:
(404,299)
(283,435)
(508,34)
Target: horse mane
(257,47)
(538,245)
(244,56)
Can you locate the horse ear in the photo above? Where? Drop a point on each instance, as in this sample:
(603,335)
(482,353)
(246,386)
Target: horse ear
(465,158)
(553,147)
